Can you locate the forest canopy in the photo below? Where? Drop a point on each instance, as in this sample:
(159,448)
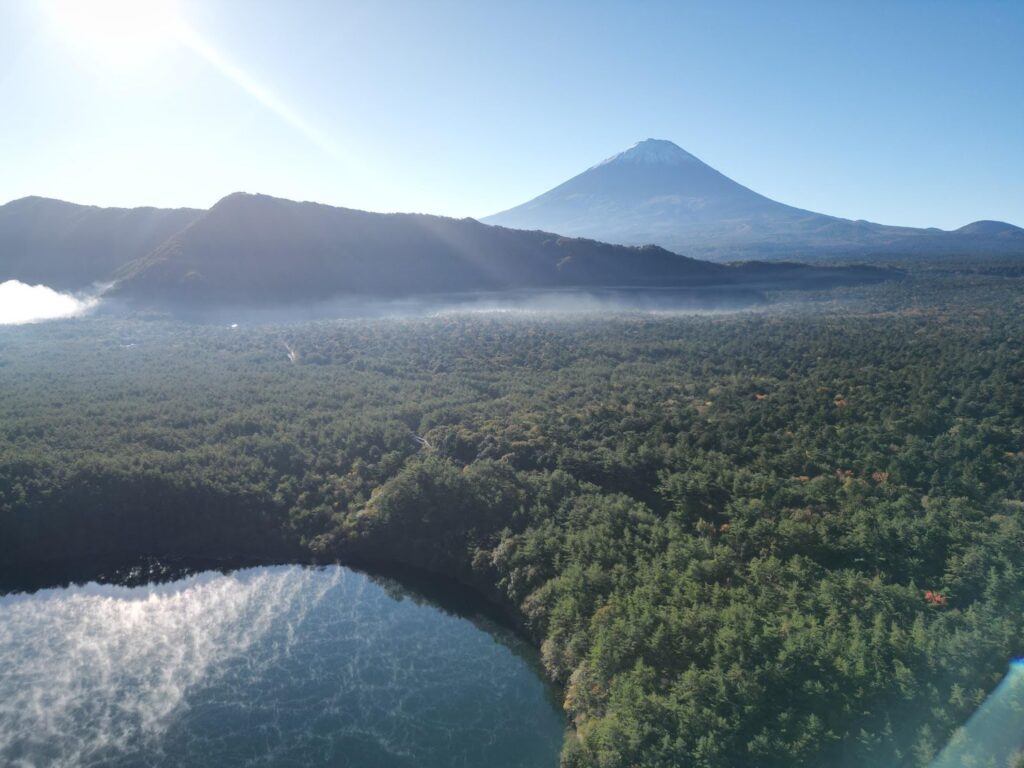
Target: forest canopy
(784,537)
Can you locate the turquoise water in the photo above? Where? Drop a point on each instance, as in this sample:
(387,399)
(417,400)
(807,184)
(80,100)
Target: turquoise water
(270,666)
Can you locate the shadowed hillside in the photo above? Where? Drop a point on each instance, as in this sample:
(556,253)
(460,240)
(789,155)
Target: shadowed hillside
(256,249)
(69,247)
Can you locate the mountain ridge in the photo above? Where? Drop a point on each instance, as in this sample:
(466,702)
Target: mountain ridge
(260,250)
(267,250)
(657,192)
(68,246)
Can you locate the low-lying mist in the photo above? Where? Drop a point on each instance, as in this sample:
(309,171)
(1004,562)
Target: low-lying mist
(605,301)
(23,303)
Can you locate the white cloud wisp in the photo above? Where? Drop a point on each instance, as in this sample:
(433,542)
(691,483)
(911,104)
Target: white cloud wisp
(23,303)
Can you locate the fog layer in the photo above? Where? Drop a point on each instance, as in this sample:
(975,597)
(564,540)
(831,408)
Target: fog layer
(22,303)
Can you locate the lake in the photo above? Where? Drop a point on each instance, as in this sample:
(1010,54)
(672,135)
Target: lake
(267,666)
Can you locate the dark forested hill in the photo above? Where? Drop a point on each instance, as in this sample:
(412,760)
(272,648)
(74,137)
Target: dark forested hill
(656,192)
(256,249)
(69,247)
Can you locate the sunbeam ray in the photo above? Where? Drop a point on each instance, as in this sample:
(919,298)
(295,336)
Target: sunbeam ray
(202,47)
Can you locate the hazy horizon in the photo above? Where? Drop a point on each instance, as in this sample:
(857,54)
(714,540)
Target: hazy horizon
(905,118)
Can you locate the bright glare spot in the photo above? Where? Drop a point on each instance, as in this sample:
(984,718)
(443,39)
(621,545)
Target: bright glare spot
(994,734)
(21,303)
(119,32)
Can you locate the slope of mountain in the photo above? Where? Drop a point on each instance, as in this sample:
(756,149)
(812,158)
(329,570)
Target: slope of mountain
(991,229)
(258,250)
(656,192)
(69,247)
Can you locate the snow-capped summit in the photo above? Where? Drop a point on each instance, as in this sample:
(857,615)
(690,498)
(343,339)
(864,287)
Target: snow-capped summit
(657,192)
(652,152)
(650,193)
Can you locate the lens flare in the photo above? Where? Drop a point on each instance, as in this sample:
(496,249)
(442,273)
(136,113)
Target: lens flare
(195,42)
(995,733)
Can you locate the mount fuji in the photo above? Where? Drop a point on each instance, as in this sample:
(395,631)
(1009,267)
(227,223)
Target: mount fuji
(658,193)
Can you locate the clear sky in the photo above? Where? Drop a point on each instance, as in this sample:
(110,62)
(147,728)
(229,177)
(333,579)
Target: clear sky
(898,112)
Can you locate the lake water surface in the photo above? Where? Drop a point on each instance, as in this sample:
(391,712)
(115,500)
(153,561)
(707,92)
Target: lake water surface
(269,666)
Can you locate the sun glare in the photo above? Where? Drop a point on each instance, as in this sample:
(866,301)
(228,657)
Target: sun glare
(126,34)
(118,32)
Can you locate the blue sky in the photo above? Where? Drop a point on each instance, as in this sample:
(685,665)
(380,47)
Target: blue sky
(904,113)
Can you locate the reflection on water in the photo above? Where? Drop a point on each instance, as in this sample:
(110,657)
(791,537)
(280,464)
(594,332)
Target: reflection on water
(284,665)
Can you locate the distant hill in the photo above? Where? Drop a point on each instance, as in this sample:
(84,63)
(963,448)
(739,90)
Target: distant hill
(995,229)
(259,250)
(69,247)
(656,192)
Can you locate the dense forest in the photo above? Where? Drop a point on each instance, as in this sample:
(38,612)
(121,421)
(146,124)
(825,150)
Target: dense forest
(790,536)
